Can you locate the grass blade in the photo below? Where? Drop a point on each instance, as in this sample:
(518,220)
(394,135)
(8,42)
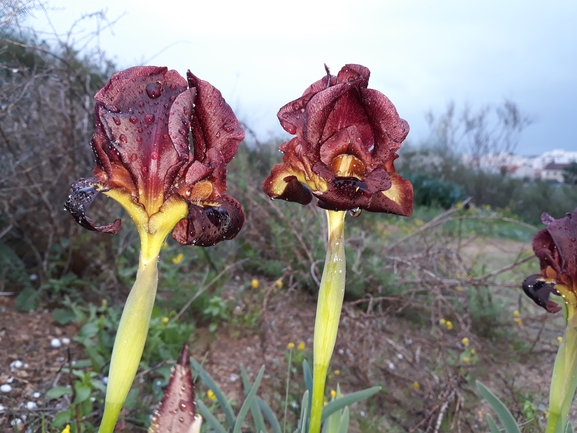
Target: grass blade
(209,417)
(500,409)
(269,415)
(220,397)
(247,402)
(254,407)
(492,424)
(347,400)
(344,422)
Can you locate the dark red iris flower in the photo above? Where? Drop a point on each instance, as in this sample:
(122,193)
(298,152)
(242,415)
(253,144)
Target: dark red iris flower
(346,139)
(556,249)
(161,147)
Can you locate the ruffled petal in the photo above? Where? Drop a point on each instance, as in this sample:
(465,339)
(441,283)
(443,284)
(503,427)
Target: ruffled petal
(283,183)
(398,199)
(207,225)
(82,194)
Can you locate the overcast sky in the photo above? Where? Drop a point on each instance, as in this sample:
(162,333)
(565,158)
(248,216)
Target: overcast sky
(422,54)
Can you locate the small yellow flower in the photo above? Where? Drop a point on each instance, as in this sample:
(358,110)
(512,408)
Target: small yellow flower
(211,395)
(459,289)
(164,245)
(176,260)
(301,346)
(559,339)
(66,429)
(516,313)
(254,283)
(465,342)
(449,325)
(443,322)
(473,351)
(466,359)
(165,320)
(333,394)
(290,346)
(337,372)
(278,284)
(519,321)
(416,386)
(480,414)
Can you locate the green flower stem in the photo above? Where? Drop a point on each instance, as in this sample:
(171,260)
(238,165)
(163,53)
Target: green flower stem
(130,339)
(564,381)
(330,303)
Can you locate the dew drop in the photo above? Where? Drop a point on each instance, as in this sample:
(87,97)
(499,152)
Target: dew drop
(138,139)
(154,155)
(116,120)
(123,138)
(144,170)
(182,405)
(228,127)
(133,120)
(355,212)
(167,106)
(173,86)
(141,104)
(149,118)
(139,129)
(133,157)
(172,98)
(154,90)
(218,134)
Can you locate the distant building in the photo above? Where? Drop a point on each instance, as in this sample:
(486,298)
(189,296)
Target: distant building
(553,172)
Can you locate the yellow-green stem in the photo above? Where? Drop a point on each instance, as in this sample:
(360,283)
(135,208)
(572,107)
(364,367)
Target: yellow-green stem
(130,339)
(564,379)
(330,302)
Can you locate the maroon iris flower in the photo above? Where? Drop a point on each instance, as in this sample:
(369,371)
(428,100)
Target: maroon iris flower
(162,145)
(346,139)
(556,249)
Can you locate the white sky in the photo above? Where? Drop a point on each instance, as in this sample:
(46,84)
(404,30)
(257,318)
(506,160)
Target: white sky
(422,54)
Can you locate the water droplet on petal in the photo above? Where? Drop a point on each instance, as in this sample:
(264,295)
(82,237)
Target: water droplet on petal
(133,157)
(149,118)
(116,120)
(123,138)
(228,127)
(133,119)
(154,155)
(138,139)
(153,90)
(355,212)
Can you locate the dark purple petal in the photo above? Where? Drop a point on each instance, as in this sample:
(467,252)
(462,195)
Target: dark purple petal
(214,125)
(177,410)
(536,288)
(82,194)
(207,225)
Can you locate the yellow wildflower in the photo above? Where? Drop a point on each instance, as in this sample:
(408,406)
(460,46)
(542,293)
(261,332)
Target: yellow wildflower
(165,320)
(254,283)
(278,284)
(449,325)
(465,342)
(480,414)
(176,260)
(333,394)
(211,395)
(301,346)
(516,313)
(66,429)
(290,346)
(459,289)
(416,386)
(466,359)
(519,321)
(164,245)
(473,351)
(443,322)
(559,339)
(337,372)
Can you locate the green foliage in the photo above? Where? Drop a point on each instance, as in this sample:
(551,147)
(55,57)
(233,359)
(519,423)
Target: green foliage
(509,423)
(431,191)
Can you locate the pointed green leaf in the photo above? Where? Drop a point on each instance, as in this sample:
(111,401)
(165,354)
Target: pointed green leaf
(209,417)
(247,402)
(269,415)
(500,409)
(344,422)
(492,424)
(254,407)
(568,428)
(347,400)
(303,420)
(220,397)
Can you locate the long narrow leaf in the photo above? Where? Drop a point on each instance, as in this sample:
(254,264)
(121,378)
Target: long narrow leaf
(302,424)
(209,417)
(308,376)
(568,428)
(269,415)
(254,407)
(492,424)
(344,422)
(347,400)
(248,402)
(220,397)
(500,409)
